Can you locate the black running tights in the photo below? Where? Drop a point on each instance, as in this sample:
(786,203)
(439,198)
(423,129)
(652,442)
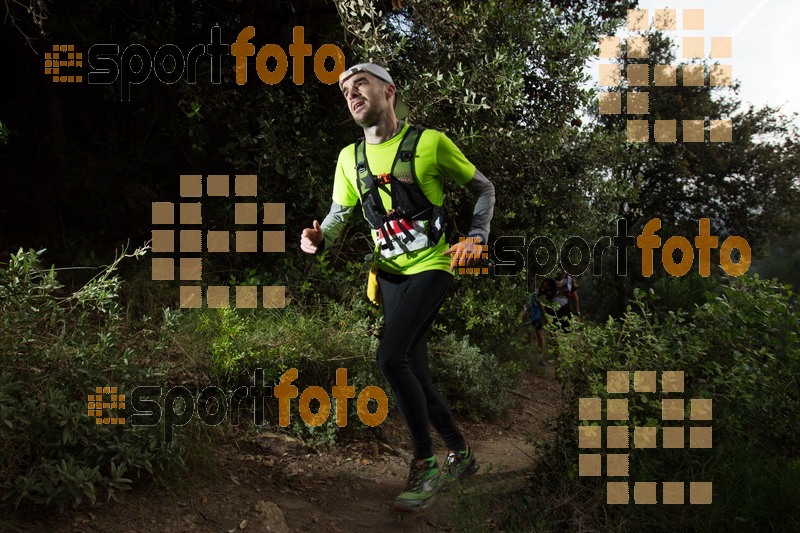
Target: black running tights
(410,305)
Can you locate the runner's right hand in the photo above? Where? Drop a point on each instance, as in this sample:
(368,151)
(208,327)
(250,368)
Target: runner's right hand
(311,239)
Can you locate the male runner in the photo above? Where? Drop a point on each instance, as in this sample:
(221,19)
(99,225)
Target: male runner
(386,173)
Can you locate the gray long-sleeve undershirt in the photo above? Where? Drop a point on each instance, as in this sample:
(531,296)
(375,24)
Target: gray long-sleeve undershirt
(334,222)
(484,205)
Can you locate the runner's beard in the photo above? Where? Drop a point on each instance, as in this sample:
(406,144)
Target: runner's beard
(370,118)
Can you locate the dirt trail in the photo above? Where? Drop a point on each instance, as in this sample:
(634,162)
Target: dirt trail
(274,483)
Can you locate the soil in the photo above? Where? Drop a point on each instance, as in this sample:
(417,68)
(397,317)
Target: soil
(273,482)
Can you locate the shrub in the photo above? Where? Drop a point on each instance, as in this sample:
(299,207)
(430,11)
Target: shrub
(56,349)
(473,382)
(317,340)
(233,343)
(741,349)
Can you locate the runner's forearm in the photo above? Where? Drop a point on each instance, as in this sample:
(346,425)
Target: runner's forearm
(484,205)
(334,223)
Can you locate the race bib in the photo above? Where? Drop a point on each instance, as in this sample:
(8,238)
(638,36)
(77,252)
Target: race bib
(397,241)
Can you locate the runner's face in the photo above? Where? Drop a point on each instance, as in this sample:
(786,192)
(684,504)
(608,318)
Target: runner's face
(368,98)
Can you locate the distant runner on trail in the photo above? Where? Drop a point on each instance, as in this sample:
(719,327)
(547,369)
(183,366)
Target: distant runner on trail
(397,172)
(569,286)
(535,316)
(566,298)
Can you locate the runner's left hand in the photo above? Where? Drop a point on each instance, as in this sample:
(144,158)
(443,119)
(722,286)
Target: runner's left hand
(464,253)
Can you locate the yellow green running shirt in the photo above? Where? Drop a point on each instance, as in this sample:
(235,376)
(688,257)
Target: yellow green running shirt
(436,157)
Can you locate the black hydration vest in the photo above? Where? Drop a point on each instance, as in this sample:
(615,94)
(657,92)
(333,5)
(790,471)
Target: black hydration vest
(402,228)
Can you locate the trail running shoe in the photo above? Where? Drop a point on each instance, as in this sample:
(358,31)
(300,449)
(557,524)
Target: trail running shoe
(459,465)
(423,483)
